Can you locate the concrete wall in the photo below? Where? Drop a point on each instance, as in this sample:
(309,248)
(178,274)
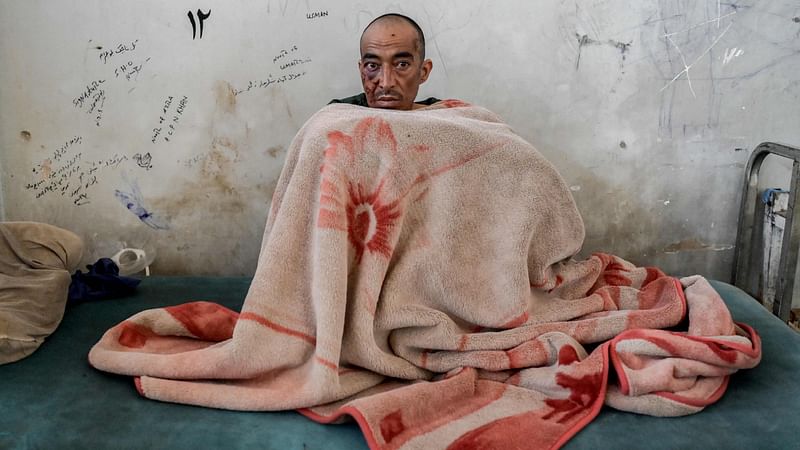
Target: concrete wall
(648,109)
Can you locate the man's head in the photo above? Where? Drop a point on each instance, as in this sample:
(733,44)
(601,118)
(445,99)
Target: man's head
(393,63)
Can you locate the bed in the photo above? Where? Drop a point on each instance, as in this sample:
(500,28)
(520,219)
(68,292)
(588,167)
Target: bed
(55,399)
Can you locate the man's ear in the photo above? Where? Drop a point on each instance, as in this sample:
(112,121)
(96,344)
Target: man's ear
(427,66)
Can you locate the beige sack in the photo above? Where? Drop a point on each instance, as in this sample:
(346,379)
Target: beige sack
(36,261)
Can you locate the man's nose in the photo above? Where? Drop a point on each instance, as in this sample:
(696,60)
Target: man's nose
(387,77)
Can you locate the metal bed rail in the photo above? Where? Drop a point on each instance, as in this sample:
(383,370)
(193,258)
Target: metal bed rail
(744,253)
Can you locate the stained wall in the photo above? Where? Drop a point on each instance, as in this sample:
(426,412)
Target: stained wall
(164,125)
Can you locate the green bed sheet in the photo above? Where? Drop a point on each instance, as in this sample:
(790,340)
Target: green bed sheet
(54,399)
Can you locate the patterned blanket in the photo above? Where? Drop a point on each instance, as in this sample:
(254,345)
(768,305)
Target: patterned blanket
(417,274)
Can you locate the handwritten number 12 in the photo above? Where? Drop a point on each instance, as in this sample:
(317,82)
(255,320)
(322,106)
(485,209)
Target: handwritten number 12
(201,17)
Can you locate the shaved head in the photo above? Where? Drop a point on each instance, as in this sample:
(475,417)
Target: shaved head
(399,18)
(393,63)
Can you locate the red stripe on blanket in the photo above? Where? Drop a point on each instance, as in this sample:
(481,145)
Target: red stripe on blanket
(372,302)
(137,381)
(616,279)
(616,266)
(205,320)
(622,377)
(347,410)
(525,354)
(448,167)
(422,195)
(751,351)
(515,322)
(662,301)
(538,285)
(462,342)
(754,350)
(611,262)
(610,296)
(682,296)
(327,363)
(476,329)
(424,359)
(559,280)
(133,335)
(453,103)
(653,273)
(278,328)
(698,402)
(722,350)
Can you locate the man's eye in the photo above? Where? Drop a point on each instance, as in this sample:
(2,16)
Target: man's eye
(371,66)
(403,65)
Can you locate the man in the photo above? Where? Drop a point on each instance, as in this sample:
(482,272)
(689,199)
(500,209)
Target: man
(392,64)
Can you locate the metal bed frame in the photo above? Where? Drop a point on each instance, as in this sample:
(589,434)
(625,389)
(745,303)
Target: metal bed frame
(745,271)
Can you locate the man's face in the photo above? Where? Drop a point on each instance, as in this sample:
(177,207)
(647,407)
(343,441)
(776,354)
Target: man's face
(391,67)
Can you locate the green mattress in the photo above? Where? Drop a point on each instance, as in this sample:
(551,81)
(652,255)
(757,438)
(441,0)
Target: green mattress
(54,399)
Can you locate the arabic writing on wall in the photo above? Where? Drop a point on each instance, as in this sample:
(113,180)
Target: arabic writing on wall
(165,121)
(68,171)
(69,174)
(73,170)
(283,61)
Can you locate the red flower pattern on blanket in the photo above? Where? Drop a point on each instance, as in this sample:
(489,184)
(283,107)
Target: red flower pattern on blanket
(369,221)
(583,390)
(368,204)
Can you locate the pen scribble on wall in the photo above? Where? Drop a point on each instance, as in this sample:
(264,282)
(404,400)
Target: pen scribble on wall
(133,200)
(168,125)
(119,49)
(284,53)
(66,172)
(283,61)
(269,81)
(316,14)
(130,70)
(92,99)
(93,96)
(144,161)
(201,17)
